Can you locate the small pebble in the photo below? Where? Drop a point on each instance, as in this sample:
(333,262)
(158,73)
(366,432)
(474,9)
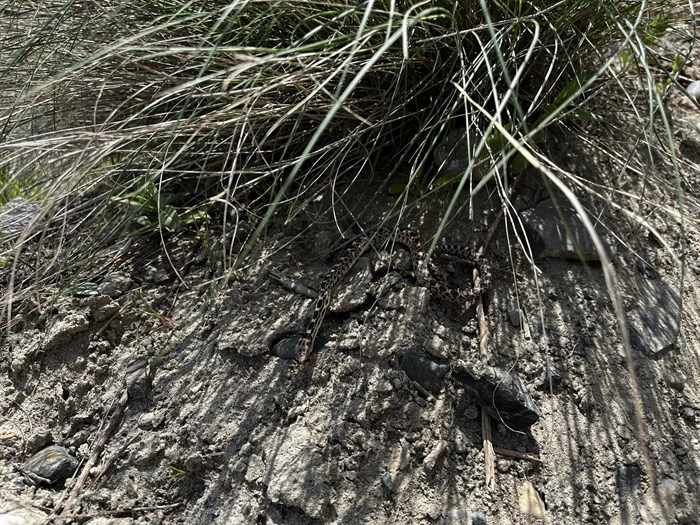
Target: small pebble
(693,90)
(688,413)
(387,482)
(516,317)
(677,382)
(503,466)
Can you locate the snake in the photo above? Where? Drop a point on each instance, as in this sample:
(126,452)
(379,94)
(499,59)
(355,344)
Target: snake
(424,274)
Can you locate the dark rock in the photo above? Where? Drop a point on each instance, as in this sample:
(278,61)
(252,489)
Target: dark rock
(115,285)
(424,371)
(49,465)
(627,478)
(677,382)
(554,229)
(286,348)
(516,317)
(646,269)
(550,378)
(501,393)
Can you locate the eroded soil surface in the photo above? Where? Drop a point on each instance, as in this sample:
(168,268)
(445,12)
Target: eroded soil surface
(221,431)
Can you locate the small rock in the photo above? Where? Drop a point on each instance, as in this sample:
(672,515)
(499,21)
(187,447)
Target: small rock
(684,516)
(50,465)
(500,392)
(653,323)
(668,489)
(39,438)
(115,285)
(462,516)
(529,501)
(693,90)
(554,229)
(63,330)
(460,442)
(688,413)
(385,387)
(434,455)
(426,372)
(434,511)
(628,478)
(503,466)
(355,288)
(102,313)
(646,269)
(516,317)
(256,469)
(677,382)
(550,379)
(387,482)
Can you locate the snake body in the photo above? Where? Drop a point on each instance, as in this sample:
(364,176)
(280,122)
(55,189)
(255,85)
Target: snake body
(424,275)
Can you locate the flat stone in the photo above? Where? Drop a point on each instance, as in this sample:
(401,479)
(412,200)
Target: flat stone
(352,292)
(63,330)
(296,473)
(49,465)
(653,323)
(16,215)
(500,392)
(554,229)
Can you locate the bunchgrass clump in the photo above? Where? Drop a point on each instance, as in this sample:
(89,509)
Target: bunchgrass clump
(173,115)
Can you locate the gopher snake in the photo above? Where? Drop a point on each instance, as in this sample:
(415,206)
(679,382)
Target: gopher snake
(423,274)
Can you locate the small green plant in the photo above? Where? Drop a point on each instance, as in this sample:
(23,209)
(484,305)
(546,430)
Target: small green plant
(153,210)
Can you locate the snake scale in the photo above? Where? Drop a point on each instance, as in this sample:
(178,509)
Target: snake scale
(424,275)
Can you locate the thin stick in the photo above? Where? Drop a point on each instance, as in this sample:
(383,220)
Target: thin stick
(99,446)
(515,454)
(112,460)
(117,513)
(489,456)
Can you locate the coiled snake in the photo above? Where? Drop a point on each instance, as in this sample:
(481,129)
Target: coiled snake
(424,275)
